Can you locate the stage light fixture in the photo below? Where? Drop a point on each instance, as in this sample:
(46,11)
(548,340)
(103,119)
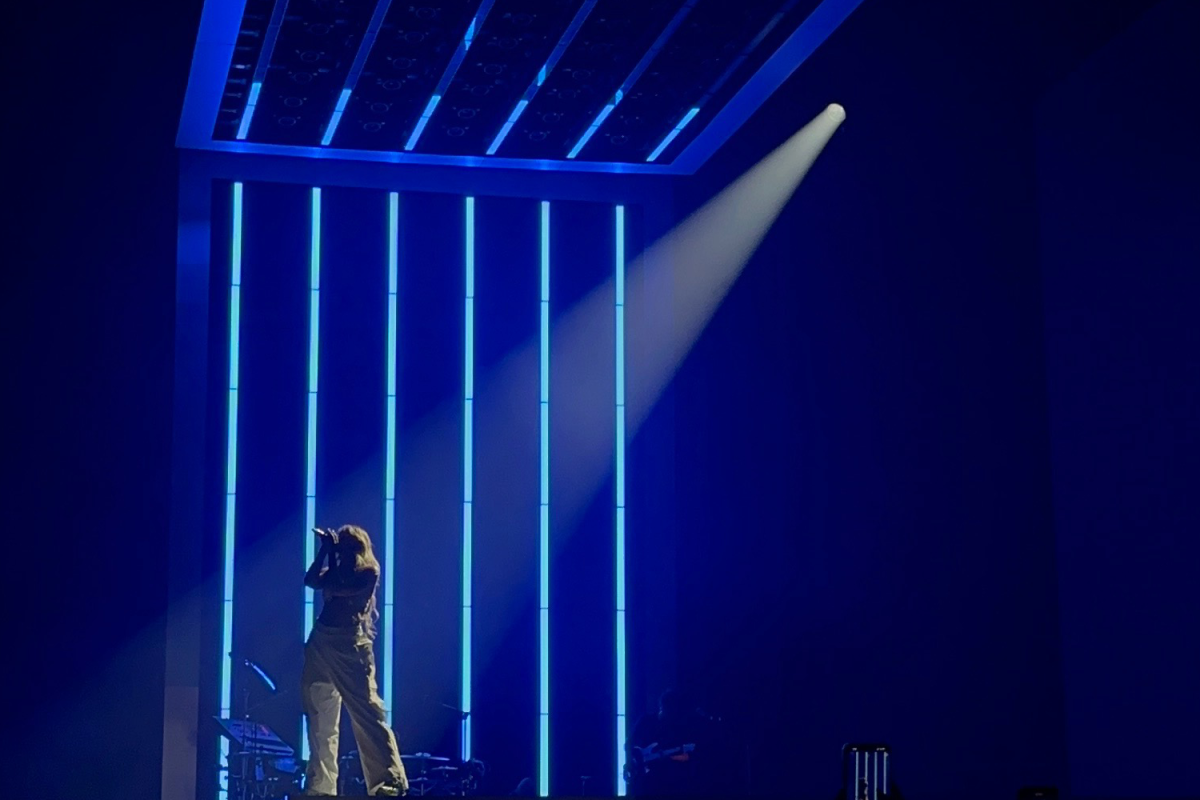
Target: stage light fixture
(638,67)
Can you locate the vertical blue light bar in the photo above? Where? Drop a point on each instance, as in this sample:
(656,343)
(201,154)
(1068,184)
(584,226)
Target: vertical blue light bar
(235,314)
(619,492)
(314,333)
(468,473)
(310,493)
(389,486)
(670,137)
(544,522)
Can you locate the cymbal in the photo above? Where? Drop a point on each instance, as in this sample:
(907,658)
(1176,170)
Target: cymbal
(425,757)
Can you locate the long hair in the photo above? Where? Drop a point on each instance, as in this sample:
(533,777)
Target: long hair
(354,540)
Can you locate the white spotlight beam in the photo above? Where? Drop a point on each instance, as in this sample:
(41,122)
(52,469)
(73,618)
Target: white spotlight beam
(699,261)
(694,266)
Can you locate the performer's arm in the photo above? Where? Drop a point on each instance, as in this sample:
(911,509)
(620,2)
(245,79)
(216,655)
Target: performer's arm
(345,582)
(338,578)
(315,576)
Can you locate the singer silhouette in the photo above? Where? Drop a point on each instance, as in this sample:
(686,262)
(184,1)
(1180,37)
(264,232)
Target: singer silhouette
(339,667)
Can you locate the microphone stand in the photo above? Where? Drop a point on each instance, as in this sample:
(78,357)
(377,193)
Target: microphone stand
(248,747)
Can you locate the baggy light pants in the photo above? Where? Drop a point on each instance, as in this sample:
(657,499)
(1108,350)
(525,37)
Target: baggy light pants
(339,667)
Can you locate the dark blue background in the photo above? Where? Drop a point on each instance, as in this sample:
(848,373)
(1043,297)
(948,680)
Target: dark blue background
(948,417)
(1119,191)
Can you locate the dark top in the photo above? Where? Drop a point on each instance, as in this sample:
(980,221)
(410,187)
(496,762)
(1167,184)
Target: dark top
(347,594)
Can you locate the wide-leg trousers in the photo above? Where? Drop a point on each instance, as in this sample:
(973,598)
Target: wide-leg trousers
(339,668)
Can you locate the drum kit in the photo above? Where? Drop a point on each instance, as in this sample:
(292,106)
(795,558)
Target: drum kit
(428,775)
(266,769)
(262,766)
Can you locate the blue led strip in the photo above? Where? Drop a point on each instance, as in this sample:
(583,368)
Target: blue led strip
(517,111)
(248,111)
(544,516)
(619,497)
(260,69)
(338,110)
(776,18)
(596,123)
(638,69)
(389,480)
(430,107)
(310,493)
(448,75)
(670,137)
(314,333)
(468,474)
(737,62)
(227,545)
(356,68)
(563,43)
